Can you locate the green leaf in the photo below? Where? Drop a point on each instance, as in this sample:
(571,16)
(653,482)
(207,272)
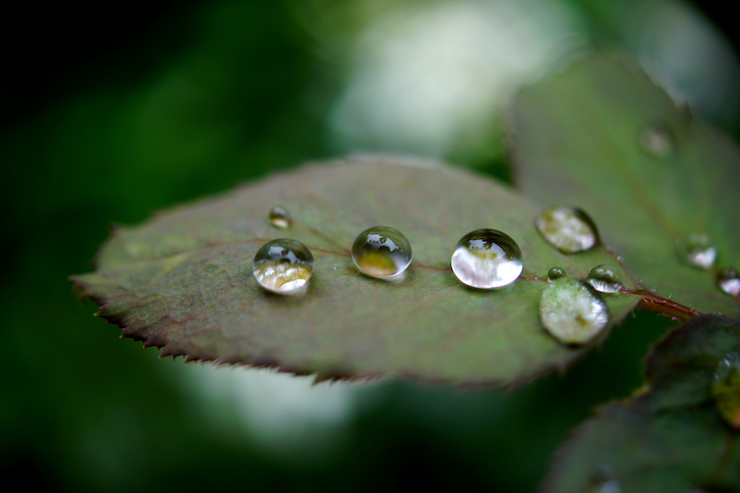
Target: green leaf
(581,136)
(670,437)
(183,281)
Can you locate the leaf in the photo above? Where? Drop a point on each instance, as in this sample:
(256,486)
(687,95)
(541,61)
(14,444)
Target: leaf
(668,438)
(183,281)
(576,138)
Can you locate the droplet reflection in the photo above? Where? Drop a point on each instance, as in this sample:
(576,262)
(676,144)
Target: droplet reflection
(283,266)
(605,278)
(572,311)
(382,252)
(726,389)
(696,249)
(487,259)
(280,217)
(568,229)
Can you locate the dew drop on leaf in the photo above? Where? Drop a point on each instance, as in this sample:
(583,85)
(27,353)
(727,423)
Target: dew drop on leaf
(280,217)
(729,281)
(555,273)
(726,389)
(572,311)
(283,266)
(568,229)
(656,139)
(382,252)
(604,278)
(487,259)
(696,249)
(609,486)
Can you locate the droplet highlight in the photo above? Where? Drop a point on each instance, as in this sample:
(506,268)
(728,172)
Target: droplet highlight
(697,250)
(728,281)
(382,252)
(572,311)
(656,139)
(280,217)
(487,259)
(726,389)
(568,229)
(555,273)
(283,266)
(605,279)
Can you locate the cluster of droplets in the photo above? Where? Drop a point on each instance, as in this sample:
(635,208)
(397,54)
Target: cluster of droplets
(571,310)
(697,250)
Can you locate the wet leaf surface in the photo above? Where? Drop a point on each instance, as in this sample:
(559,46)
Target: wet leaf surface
(601,136)
(670,437)
(183,281)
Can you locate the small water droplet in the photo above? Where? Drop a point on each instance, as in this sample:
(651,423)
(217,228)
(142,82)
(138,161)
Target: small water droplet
(729,281)
(604,278)
(280,217)
(283,266)
(568,229)
(572,311)
(487,259)
(555,273)
(726,389)
(382,252)
(608,486)
(656,139)
(696,249)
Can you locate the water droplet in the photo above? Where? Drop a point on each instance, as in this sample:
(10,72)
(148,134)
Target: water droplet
(696,249)
(609,486)
(568,229)
(572,312)
(555,273)
(381,252)
(487,259)
(729,281)
(656,139)
(604,278)
(283,266)
(726,389)
(280,217)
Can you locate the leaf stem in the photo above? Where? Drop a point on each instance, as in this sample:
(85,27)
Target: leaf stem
(664,306)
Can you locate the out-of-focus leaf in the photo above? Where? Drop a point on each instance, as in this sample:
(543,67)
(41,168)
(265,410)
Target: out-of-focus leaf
(670,437)
(183,281)
(601,136)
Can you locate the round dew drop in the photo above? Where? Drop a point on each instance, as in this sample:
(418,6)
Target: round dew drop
(487,259)
(604,278)
(568,229)
(656,139)
(382,252)
(696,249)
(280,217)
(555,273)
(729,282)
(283,266)
(726,389)
(572,312)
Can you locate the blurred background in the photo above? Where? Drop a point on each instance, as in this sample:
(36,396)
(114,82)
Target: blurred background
(107,116)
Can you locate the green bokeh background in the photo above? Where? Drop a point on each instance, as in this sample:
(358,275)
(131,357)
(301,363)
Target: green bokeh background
(184,101)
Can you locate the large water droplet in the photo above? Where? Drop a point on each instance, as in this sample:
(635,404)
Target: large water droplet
(726,389)
(280,217)
(283,266)
(604,278)
(381,252)
(487,259)
(568,229)
(555,273)
(696,249)
(729,281)
(656,139)
(572,312)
